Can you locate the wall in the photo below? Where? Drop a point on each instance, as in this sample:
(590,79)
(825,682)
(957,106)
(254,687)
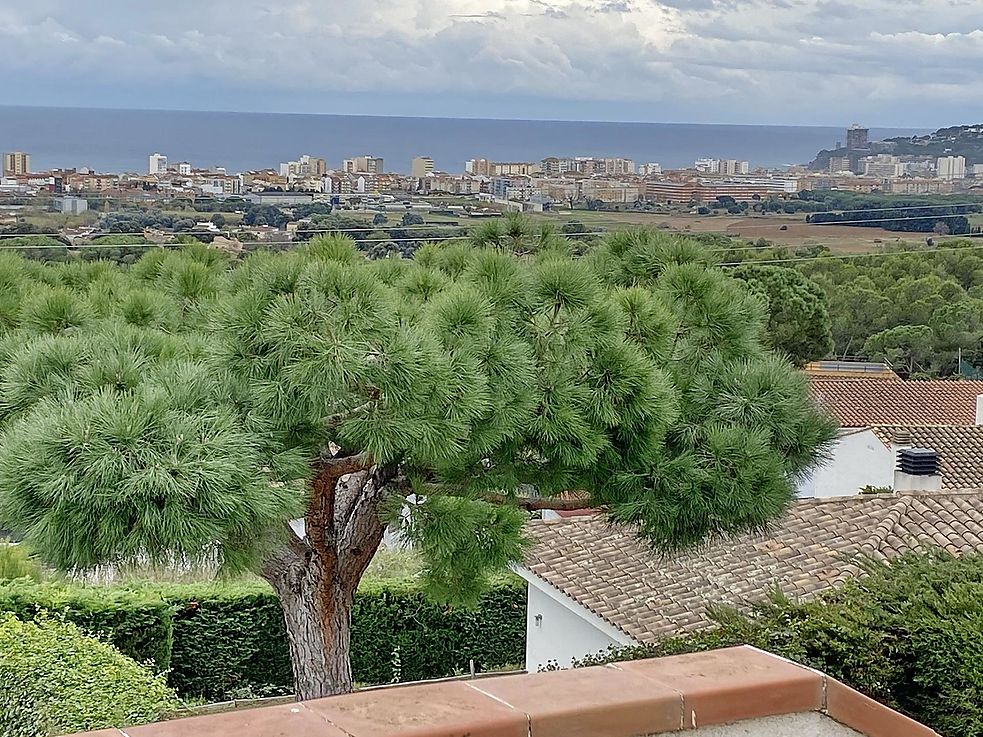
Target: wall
(857,460)
(789,725)
(564,633)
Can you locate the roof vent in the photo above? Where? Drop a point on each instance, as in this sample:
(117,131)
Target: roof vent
(901,437)
(918,462)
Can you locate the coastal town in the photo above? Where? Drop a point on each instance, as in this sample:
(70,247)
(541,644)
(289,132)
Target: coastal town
(365,182)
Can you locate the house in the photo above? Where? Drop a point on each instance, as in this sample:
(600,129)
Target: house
(880,416)
(735,692)
(592,585)
(868,457)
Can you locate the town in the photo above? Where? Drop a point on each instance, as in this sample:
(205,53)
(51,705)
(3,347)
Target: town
(363,182)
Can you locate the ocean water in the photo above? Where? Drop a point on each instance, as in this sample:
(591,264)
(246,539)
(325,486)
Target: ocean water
(121,140)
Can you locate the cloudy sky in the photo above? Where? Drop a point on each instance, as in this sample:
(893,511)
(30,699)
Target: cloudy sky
(911,63)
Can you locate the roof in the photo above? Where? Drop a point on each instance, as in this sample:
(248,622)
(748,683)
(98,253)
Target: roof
(844,369)
(960,449)
(619,578)
(738,686)
(862,402)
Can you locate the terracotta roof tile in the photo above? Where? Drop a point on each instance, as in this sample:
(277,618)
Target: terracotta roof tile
(813,547)
(960,449)
(866,402)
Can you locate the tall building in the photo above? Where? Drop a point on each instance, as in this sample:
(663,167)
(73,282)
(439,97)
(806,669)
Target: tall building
(421,166)
(733,166)
(857,137)
(363,165)
(157,164)
(16,163)
(478,167)
(951,167)
(647,170)
(306,166)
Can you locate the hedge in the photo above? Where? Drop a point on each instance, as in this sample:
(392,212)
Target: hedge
(909,634)
(223,641)
(138,624)
(56,680)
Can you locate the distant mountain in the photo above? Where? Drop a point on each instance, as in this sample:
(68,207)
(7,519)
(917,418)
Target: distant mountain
(958,140)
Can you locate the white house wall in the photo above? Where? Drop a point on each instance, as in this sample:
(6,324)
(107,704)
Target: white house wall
(857,460)
(560,630)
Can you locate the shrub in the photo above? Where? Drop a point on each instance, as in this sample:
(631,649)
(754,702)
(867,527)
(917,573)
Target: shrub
(227,640)
(57,680)
(909,634)
(139,625)
(16,562)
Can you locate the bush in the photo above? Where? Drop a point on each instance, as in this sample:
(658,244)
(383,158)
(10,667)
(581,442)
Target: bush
(910,635)
(223,641)
(139,625)
(16,562)
(57,680)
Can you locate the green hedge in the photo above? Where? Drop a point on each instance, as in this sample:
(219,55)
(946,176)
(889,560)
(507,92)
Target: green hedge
(56,680)
(228,641)
(138,624)
(909,635)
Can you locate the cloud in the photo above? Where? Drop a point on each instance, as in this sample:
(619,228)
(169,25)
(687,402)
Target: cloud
(716,60)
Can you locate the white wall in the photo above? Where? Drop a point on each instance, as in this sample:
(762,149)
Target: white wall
(857,460)
(565,631)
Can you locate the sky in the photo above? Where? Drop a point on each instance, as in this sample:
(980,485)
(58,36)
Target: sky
(904,63)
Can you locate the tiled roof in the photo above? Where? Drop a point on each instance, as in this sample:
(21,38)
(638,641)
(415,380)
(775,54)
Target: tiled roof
(866,402)
(610,572)
(960,449)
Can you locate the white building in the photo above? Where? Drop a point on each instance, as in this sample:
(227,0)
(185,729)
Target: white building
(650,169)
(884,166)
(184,169)
(951,167)
(157,164)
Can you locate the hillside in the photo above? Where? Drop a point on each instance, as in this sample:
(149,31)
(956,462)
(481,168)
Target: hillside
(959,140)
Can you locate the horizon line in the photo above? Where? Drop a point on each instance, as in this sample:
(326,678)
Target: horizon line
(465,117)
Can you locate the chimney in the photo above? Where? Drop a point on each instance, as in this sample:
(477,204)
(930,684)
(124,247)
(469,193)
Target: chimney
(979,409)
(918,470)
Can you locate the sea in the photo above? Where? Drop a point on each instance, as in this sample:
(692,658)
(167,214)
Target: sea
(121,140)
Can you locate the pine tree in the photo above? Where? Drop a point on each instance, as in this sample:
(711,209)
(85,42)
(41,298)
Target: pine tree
(275,414)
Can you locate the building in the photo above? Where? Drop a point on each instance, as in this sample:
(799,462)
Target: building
(184,169)
(478,167)
(16,163)
(839,164)
(732,692)
(421,166)
(157,164)
(882,165)
(592,585)
(71,205)
(857,138)
(647,170)
(951,167)
(732,166)
(305,167)
(363,165)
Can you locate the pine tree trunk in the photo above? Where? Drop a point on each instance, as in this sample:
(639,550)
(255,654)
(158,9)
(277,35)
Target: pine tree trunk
(317,615)
(316,577)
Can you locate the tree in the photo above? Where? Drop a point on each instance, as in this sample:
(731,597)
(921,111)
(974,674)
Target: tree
(218,219)
(188,408)
(798,311)
(411,218)
(379,219)
(907,348)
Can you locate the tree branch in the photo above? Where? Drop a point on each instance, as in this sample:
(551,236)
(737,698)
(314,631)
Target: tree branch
(535,504)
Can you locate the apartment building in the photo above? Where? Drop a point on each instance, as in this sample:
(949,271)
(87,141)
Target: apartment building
(16,163)
(951,167)
(363,165)
(421,166)
(157,164)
